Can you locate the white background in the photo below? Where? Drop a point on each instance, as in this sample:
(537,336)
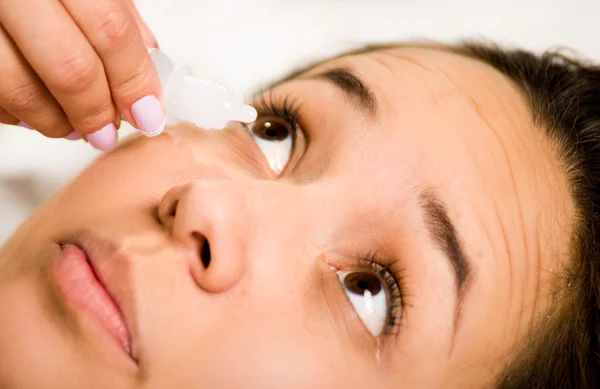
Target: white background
(247,42)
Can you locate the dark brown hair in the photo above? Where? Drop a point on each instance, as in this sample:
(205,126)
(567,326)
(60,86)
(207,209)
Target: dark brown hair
(564,97)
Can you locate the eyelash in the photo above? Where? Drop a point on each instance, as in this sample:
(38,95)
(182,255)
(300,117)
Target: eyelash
(394,281)
(286,109)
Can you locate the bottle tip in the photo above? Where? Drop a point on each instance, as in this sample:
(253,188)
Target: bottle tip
(247,114)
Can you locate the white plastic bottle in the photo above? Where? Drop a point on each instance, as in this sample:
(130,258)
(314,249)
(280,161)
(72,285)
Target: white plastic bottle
(204,102)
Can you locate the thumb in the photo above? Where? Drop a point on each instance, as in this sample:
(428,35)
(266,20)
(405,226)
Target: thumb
(147,35)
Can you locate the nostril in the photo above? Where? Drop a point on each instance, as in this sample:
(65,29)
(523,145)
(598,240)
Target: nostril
(172,210)
(205,254)
(204,249)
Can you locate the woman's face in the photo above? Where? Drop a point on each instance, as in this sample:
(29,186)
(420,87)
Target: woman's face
(409,242)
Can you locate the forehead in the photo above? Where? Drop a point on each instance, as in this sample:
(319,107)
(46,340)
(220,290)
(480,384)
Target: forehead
(405,75)
(425,86)
(462,117)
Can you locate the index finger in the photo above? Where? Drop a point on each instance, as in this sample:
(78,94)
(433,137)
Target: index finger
(113,32)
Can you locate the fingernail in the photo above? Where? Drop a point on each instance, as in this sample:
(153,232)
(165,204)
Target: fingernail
(73,136)
(104,139)
(149,115)
(25,125)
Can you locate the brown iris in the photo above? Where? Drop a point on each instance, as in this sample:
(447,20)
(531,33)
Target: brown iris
(358,283)
(270,129)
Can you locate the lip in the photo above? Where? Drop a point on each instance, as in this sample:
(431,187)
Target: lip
(83,270)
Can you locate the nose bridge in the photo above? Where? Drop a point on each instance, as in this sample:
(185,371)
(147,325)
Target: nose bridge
(240,207)
(208,207)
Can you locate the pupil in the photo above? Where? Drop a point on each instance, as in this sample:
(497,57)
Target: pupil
(271,133)
(363,285)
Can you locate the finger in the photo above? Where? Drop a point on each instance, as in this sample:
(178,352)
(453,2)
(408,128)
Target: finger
(147,35)
(112,31)
(23,96)
(67,64)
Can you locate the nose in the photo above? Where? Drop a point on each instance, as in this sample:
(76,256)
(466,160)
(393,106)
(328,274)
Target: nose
(206,218)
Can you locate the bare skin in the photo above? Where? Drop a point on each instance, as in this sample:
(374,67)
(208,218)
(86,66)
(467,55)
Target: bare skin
(269,311)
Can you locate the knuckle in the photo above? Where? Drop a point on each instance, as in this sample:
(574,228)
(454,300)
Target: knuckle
(93,119)
(76,74)
(114,27)
(134,84)
(24,98)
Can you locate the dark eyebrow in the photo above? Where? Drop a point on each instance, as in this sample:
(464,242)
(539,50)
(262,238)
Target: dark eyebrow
(444,235)
(353,87)
(349,83)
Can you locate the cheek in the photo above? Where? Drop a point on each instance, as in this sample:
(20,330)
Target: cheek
(259,335)
(250,352)
(230,342)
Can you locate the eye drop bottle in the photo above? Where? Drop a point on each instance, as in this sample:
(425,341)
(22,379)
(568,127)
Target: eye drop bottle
(206,103)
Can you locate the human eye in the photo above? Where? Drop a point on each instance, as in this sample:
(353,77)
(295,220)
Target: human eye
(375,293)
(275,131)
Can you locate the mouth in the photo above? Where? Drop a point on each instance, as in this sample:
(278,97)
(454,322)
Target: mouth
(82,281)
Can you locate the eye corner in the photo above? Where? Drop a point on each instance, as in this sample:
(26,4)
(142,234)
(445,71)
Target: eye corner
(332,266)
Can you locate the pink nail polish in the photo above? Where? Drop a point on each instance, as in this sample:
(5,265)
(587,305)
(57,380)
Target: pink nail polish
(149,115)
(73,136)
(104,139)
(25,125)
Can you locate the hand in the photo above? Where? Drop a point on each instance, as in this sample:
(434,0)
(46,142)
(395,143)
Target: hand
(69,68)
